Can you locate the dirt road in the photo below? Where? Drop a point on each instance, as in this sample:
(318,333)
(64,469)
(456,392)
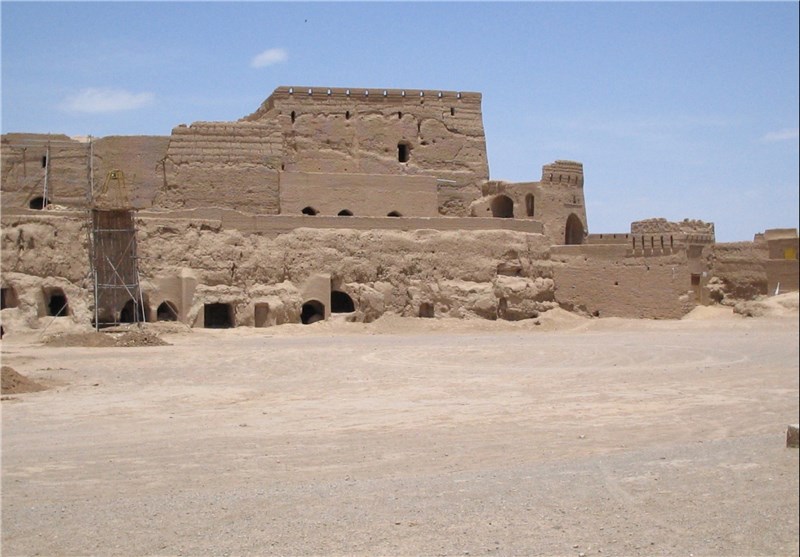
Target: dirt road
(410,437)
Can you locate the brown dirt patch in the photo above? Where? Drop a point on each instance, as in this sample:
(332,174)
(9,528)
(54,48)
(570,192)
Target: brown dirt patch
(14,382)
(105,340)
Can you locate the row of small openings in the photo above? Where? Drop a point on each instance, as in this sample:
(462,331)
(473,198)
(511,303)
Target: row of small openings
(311,211)
(562,176)
(366,93)
(652,242)
(347,114)
(133,312)
(55,301)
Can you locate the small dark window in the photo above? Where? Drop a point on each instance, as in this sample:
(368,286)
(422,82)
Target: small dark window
(347,115)
(403,151)
(529,204)
(394,214)
(44,161)
(309,211)
(399,114)
(452,111)
(294,116)
(345,213)
(695,280)
(38,203)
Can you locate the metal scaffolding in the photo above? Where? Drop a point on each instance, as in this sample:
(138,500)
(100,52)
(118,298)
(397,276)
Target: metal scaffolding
(113,256)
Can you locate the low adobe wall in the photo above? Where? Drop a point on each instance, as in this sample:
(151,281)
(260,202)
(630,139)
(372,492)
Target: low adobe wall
(610,281)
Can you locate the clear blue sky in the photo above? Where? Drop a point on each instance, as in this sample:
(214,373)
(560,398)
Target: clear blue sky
(677,110)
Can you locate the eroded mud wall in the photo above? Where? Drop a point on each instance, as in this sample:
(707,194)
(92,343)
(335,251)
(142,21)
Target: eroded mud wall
(611,281)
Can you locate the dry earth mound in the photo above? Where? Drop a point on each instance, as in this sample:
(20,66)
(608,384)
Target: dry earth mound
(14,382)
(783,305)
(105,340)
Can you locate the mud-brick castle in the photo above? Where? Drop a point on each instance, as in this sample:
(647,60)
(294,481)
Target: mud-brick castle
(344,203)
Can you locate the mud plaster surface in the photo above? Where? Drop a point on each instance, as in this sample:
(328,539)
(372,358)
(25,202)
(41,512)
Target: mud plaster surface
(411,437)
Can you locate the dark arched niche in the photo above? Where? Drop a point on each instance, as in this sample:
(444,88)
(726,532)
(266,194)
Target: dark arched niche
(313,311)
(341,302)
(573,232)
(502,207)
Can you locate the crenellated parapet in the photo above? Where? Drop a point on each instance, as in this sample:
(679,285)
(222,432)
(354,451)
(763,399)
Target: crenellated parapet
(563,172)
(694,231)
(316,95)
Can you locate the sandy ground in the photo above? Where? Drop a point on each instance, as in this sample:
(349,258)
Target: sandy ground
(411,437)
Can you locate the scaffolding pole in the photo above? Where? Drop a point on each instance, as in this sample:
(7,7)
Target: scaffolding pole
(45,202)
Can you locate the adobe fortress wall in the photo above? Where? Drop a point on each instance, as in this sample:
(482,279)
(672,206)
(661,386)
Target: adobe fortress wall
(192,262)
(67,167)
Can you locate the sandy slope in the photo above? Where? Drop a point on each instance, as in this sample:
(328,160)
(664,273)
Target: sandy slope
(411,437)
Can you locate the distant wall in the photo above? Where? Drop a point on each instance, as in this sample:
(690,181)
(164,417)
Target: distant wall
(782,270)
(741,268)
(607,281)
(223,164)
(72,168)
(32,163)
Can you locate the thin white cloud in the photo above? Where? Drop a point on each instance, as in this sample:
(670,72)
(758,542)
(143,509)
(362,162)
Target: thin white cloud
(94,100)
(269,58)
(781,135)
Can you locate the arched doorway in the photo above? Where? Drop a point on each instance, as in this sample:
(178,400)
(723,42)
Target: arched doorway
(166,311)
(311,211)
(573,232)
(38,203)
(529,204)
(8,297)
(426,310)
(341,302)
(132,312)
(502,207)
(313,311)
(56,303)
